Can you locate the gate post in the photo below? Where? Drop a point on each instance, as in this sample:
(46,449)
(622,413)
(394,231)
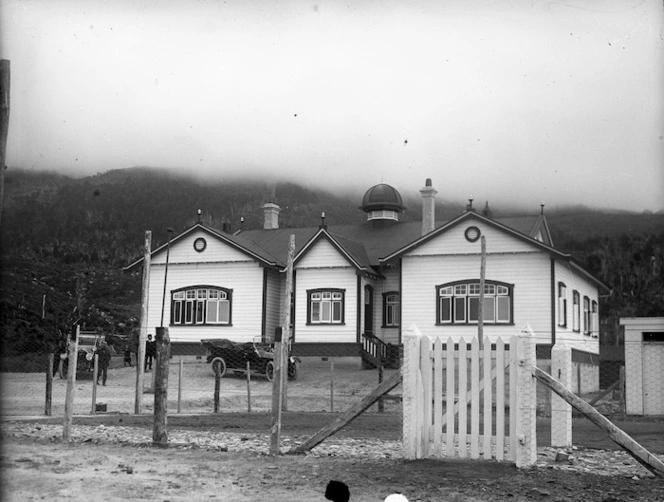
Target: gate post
(526,401)
(409,371)
(561,410)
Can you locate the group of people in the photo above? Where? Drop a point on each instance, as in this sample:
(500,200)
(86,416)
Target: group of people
(104,353)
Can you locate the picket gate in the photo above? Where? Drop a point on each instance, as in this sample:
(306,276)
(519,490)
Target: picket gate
(469,400)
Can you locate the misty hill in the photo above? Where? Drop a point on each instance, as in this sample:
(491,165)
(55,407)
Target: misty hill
(102,218)
(64,242)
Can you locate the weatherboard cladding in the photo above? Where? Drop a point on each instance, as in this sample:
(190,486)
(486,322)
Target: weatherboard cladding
(531,291)
(240,277)
(344,278)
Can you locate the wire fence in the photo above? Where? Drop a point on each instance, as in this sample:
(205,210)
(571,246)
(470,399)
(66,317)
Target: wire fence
(321,384)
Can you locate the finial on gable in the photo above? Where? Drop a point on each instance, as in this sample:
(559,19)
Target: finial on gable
(322,220)
(199,216)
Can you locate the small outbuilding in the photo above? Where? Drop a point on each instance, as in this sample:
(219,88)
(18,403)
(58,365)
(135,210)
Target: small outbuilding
(644,365)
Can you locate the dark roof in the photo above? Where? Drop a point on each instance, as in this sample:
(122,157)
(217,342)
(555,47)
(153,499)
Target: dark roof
(382,196)
(372,243)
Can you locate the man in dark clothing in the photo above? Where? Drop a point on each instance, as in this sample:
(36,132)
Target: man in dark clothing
(150,352)
(104,360)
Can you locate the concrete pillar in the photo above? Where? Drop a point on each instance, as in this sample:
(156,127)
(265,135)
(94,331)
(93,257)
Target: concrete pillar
(561,410)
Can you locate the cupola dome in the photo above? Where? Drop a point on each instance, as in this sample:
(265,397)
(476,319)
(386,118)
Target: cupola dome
(382,202)
(382,196)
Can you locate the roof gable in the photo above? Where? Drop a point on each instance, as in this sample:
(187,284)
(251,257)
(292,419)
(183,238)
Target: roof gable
(248,248)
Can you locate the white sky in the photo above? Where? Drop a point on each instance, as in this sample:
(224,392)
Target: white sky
(513,100)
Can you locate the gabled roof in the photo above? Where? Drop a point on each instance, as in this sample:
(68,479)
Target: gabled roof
(354,252)
(243,245)
(529,225)
(368,246)
(524,236)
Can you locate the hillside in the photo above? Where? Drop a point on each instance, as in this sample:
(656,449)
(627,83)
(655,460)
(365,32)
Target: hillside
(64,242)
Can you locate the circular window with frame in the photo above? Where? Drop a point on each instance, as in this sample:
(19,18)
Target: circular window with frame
(200,244)
(472,234)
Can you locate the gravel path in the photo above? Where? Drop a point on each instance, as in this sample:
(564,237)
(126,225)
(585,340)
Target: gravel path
(582,460)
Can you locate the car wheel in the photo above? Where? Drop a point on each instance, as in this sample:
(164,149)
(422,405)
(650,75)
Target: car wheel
(218,366)
(269,371)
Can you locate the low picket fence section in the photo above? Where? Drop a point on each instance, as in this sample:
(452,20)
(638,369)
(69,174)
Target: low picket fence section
(469,400)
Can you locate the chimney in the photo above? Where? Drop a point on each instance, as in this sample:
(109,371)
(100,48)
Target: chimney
(271,212)
(428,207)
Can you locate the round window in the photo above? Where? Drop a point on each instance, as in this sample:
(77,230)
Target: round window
(200,244)
(472,234)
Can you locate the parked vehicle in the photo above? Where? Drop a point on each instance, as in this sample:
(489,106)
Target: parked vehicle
(85,362)
(226,356)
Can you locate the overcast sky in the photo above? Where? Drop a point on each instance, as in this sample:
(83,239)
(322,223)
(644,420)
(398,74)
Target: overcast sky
(532,101)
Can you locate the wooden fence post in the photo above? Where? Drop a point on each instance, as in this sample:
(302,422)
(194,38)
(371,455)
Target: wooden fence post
(217,387)
(71,383)
(163,350)
(248,387)
(95,376)
(181,370)
(331,384)
(381,401)
(410,370)
(526,396)
(561,410)
(49,385)
(143,330)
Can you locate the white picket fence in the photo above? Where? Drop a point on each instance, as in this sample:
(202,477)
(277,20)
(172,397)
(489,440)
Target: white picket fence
(461,399)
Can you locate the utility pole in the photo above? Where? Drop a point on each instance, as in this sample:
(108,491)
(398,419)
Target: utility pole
(480,307)
(281,356)
(4,124)
(143,330)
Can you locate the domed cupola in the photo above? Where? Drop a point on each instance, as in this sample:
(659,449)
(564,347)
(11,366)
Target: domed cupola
(382,202)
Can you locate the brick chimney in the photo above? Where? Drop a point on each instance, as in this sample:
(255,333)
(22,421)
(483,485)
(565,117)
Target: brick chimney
(428,207)
(271,212)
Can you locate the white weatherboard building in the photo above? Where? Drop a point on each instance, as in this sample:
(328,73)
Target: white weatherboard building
(354,283)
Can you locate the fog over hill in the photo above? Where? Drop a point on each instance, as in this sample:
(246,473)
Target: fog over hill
(68,239)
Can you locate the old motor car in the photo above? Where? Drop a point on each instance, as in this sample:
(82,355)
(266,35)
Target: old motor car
(87,347)
(227,356)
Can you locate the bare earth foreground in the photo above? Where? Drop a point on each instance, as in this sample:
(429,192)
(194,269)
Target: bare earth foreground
(224,457)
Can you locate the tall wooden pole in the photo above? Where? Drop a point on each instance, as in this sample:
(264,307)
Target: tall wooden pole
(163,349)
(281,355)
(480,307)
(71,383)
(5,72)
(143,333)
(49,385)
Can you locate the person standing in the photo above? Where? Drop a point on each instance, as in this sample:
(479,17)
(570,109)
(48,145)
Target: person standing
(104,360)
(150,351)
(127,356)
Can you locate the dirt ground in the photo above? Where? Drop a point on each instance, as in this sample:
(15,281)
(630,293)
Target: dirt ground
(111,456)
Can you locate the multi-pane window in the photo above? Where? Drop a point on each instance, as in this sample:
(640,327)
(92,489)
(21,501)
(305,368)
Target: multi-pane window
(594,320)
(326,306)
(562,305)
(391,316)
(201,305)
(576,311)
(586,316)
(458,303)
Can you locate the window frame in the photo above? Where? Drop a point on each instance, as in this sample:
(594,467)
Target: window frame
(190,305)
(460,300)
(587,322)
(576,311)
(319,295)
(392,320)
(562,305)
